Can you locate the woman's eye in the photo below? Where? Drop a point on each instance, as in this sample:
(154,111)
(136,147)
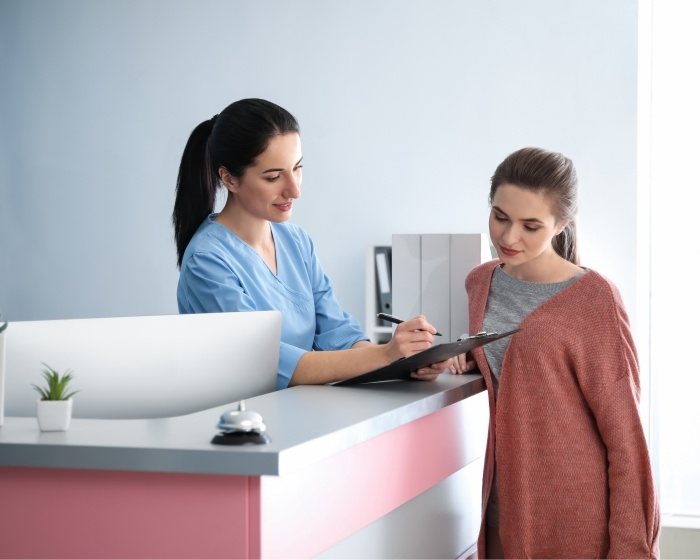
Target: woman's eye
(500,218)
(531,228)
(272,179)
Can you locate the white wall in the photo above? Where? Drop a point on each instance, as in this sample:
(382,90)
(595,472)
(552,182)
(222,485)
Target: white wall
(406,107)
(673,120)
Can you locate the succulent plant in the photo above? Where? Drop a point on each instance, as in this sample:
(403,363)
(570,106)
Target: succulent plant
(56,388)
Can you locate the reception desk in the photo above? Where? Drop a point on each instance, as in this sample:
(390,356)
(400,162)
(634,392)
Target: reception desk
(388,470)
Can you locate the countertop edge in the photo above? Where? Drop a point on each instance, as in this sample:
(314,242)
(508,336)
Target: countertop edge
(216,460)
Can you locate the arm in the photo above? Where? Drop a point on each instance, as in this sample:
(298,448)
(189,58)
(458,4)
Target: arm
(346,351)
(634,517)
(335,329)
(612,392)
(409,338)
(207,284)
(429,373)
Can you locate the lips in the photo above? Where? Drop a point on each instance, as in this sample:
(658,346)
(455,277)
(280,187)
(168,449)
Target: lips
(508,252)
(284,207)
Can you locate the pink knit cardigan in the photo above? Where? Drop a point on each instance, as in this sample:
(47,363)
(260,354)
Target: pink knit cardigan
(575,478)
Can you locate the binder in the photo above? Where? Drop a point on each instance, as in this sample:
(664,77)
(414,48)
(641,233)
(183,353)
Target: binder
(429,270)
(382,268)
(435,282)
(401,369)
(467,250)
(406,270)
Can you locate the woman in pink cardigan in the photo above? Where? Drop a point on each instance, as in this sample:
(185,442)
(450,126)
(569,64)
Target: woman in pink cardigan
(567,471)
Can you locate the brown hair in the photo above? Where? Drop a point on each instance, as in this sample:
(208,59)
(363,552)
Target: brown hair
(552,174)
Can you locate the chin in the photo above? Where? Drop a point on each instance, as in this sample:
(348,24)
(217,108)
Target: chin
(512,261)
(280,219)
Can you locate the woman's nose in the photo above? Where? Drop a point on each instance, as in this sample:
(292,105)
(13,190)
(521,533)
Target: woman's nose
(293,187)
(510,235)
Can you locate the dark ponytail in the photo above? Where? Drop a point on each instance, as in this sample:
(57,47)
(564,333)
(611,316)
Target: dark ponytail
(554,175)
(231,139)
(195,192)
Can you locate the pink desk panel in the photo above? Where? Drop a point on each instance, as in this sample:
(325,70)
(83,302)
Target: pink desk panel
(71,513)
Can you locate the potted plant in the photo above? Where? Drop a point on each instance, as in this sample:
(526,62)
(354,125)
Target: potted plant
(55,407)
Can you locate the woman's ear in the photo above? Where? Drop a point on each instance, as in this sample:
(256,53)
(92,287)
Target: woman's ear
(561,226)
(229,181)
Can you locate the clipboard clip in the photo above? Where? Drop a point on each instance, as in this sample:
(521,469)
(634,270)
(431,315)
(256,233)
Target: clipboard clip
(480,334)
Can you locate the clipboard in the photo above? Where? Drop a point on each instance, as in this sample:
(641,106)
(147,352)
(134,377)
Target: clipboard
(402,368)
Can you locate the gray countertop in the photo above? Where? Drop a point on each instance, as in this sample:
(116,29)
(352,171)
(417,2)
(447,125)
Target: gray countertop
(305,424)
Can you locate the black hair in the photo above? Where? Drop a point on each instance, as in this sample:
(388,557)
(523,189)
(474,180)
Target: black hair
(231,139)
(554,175)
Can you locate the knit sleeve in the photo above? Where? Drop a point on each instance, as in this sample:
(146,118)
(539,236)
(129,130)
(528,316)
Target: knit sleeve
(609,380)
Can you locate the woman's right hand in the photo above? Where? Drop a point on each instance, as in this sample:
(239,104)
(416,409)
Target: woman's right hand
(463,363)
(410,337)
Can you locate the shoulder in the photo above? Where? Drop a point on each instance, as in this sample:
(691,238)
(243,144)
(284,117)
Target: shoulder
(595,302)
(594,284)
(212,241)
(593,317)
(481,273)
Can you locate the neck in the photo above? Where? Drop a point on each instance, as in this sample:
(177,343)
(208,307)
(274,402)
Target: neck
(255,232)
(548,268)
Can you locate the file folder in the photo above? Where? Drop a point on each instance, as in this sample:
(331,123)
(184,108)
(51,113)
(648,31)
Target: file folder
(401,369)
(428,272)
(382,267)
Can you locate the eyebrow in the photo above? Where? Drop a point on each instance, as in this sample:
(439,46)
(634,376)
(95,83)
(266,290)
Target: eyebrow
(534,220)
(280,169)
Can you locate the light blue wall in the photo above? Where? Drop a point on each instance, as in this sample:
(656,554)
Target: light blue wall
(406,108)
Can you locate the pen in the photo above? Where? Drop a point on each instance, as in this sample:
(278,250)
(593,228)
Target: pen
(395,320)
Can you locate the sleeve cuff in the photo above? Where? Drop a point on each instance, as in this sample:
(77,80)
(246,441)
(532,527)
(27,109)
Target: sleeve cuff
(289,358)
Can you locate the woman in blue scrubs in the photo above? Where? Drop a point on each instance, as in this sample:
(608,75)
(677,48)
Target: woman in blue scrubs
(248,258)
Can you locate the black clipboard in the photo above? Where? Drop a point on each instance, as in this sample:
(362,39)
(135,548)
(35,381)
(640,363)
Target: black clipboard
(401,369)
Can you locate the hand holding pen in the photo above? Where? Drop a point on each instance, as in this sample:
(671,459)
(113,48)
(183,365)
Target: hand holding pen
(457,365)
(397,321)
(411,337)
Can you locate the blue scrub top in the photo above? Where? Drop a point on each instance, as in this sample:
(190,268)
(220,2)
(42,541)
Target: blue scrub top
(220,272)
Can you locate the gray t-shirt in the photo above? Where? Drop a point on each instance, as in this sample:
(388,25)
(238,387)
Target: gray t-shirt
(510,301)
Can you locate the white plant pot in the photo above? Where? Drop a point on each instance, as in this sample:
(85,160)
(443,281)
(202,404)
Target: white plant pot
(54,416)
